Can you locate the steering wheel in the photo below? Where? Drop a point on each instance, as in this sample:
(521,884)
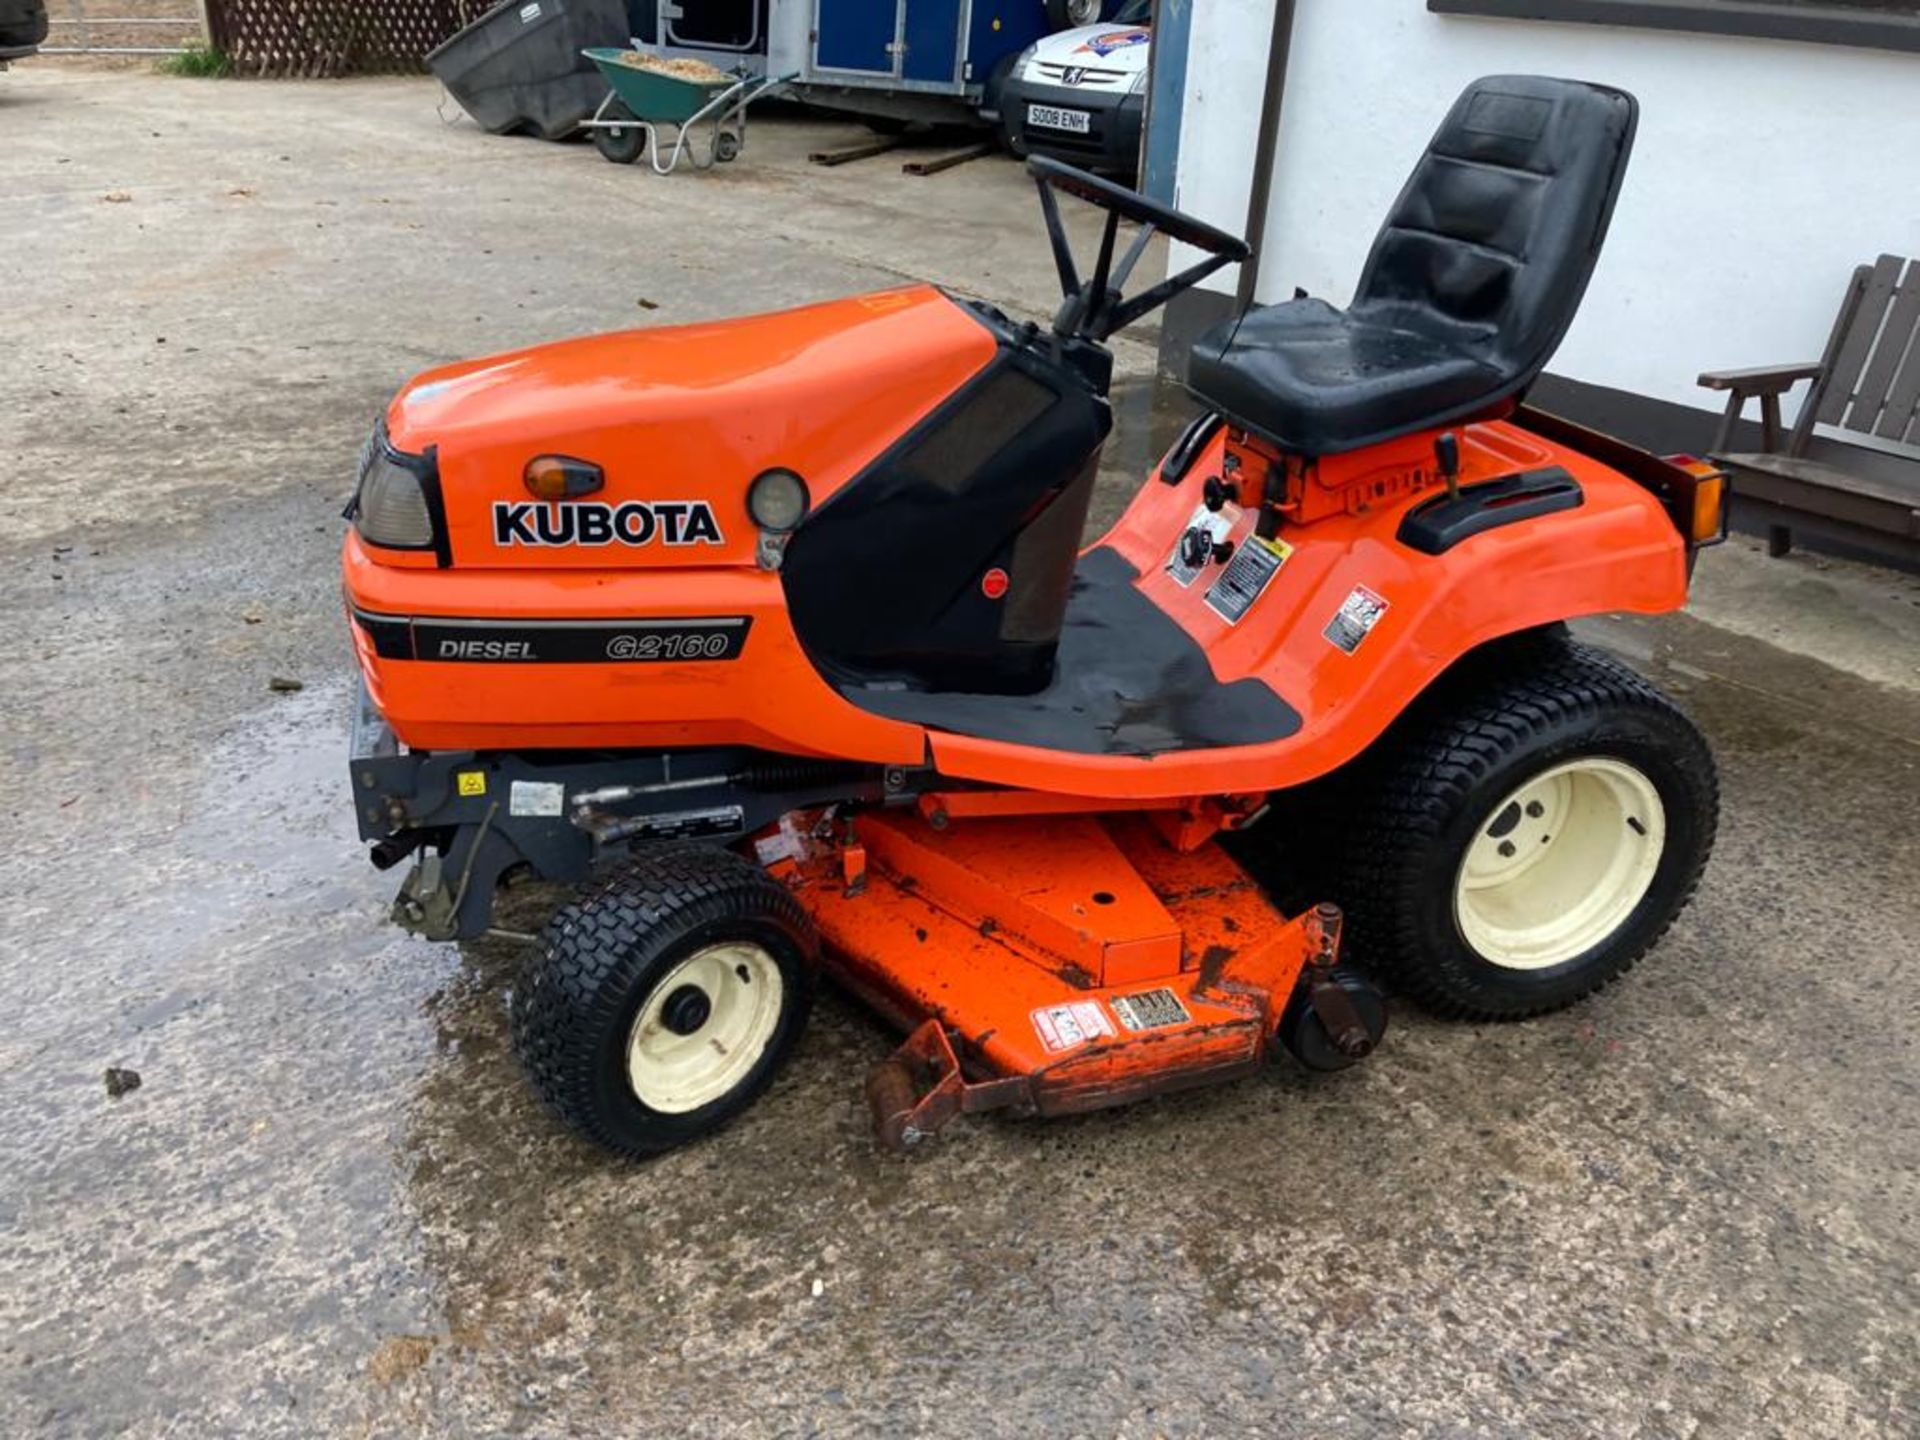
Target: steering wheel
(1132,205)
(1095,309)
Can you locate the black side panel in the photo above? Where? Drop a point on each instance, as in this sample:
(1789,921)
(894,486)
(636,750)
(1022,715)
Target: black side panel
(1129,681)
(885,580)
(1435,526)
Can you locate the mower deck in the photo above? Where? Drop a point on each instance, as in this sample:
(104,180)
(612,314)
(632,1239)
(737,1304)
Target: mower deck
(1076,961)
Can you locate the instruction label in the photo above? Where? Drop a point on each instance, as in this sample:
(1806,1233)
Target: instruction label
(1246,577)
(1218,524)
(1355,618)
(1062,1027)
(536,797)
(1150,1010)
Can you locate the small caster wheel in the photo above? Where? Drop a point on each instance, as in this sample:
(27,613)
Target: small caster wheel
(661,1004)
(726,146)
(1304,1033)
(623,140)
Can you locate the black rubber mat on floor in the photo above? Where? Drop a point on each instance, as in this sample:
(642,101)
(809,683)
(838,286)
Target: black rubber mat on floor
(1128,681)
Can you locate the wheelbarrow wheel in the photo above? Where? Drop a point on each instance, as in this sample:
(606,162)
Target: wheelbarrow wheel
(624,139)
(661,1004)
(726,146)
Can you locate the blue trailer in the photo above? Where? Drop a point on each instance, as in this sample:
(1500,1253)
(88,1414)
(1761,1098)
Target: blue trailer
(899,60)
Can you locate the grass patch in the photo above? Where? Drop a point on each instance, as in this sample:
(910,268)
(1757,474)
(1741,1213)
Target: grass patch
(198,62)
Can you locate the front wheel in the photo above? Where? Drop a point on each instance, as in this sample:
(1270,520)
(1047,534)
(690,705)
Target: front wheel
(1528,837)
(622,138)
(661,1004)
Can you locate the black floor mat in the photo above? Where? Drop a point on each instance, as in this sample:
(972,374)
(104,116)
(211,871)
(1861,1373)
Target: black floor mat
(1128,681)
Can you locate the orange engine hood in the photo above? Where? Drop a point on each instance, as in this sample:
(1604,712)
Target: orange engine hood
(687,413)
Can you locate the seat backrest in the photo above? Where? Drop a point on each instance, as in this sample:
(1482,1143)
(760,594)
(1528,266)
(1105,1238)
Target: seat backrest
(1491,243)
(1871,372)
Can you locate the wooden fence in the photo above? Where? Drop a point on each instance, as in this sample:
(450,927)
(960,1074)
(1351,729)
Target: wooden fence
(334,37)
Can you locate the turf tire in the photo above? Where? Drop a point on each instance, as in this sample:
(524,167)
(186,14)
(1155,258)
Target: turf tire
(599,961)
(1414,803)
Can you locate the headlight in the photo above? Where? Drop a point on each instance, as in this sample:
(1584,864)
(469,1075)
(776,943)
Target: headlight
(777,500)
(390,507)
(1027,67)
(1139,85)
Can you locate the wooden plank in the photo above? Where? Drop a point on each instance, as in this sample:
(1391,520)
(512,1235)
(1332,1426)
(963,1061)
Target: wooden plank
(1817,392)
(947,162)
(864,151)
(1901,413)
(1858,345)
(1895,336)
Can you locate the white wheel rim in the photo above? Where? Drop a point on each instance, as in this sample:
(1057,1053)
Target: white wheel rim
(734,992)
(1560,864)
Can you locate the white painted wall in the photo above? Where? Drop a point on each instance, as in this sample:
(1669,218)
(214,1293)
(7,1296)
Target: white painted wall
(1763,173)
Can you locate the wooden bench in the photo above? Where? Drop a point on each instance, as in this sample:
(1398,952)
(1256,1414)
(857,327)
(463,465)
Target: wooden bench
(1866,384)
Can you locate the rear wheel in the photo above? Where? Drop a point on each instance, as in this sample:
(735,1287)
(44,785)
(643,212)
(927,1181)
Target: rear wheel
(621,139)
(1527,837)
(662,1004)
(1066,14)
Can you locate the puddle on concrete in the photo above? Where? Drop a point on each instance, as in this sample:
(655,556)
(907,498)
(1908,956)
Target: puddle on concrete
(215,1242)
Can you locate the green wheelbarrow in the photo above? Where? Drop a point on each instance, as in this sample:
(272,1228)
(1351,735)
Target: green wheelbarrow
(642,100)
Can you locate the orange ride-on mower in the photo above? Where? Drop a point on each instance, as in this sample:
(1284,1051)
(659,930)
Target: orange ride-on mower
(778,633)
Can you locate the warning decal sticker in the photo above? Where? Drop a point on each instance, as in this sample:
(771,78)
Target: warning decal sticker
(1150,1010)
(1355,618)
(1061,1027)
(1246,577)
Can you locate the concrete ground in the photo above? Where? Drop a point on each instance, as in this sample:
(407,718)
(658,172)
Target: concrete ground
(1685,1208)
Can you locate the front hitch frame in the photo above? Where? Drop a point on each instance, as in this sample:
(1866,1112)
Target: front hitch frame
(920,1087)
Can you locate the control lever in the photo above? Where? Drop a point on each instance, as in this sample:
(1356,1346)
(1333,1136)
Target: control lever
(1446,450)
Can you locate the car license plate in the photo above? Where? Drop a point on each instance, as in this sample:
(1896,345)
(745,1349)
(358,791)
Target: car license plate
(1053,117)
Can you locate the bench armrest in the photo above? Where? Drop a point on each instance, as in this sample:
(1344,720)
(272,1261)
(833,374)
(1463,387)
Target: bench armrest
(1761,379)
(1766,382)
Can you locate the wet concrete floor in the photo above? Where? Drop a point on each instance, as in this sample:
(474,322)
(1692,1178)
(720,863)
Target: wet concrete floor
(1686,1208)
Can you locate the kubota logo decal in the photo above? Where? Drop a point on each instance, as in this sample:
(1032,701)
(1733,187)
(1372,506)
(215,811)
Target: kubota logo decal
(588,522)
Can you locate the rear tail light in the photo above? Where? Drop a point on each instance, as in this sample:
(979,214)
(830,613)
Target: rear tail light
(392,508)
(1706,517)
(1709,509)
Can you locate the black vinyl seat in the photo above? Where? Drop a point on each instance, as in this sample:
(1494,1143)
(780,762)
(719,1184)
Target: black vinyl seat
(1467,292)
